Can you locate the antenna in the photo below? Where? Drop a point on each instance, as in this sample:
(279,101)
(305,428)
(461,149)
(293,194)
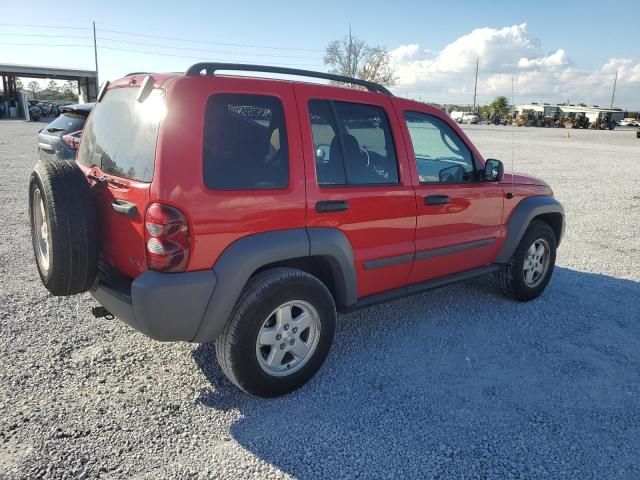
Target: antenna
(615,83)
(510,194)
(95,52)
(475,88)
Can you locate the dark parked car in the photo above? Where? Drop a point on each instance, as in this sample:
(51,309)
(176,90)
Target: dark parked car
(61,138)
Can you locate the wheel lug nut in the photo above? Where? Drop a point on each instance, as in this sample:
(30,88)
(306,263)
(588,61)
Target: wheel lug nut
(292,341)
(278,337)
(286,326)
(282,345)
(294,329)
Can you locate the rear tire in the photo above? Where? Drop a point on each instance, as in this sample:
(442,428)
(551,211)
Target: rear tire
(530,268)
(242,351)
(64,227)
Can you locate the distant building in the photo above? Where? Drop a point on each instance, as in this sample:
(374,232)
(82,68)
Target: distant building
(593,112)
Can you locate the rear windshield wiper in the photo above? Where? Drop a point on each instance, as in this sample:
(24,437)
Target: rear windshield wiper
(55,129)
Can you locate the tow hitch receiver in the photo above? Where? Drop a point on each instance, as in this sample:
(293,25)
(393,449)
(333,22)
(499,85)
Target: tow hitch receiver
(101,312)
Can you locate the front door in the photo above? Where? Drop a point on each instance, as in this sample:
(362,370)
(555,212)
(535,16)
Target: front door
(358,181)
(459,215)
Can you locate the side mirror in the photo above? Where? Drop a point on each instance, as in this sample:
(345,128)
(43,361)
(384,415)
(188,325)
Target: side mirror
(493,170)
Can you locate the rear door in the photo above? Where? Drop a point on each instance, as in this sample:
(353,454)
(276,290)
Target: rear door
(118,146)
(358,180)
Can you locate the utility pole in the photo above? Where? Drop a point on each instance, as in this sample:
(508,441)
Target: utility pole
(475,88)
(95,52)
(615,82)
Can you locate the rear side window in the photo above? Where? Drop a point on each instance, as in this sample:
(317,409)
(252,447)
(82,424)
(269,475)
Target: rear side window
(245,143)
(353,144)
(66,123)
(121,133)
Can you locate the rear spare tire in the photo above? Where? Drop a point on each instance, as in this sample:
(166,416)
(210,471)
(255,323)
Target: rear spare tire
(64,227)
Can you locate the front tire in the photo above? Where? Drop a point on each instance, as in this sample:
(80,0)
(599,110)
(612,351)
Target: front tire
(279,334)
(530,268)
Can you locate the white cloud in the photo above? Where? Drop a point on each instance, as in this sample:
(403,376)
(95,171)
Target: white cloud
(506,53)
(556,59)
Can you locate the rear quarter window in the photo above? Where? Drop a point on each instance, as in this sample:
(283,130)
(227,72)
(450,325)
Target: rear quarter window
(121,134)
(245,143)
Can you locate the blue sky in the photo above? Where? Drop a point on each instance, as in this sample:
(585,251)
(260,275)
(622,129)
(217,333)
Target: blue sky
(589,34)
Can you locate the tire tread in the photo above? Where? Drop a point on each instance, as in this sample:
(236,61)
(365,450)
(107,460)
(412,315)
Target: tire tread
(71,213)
(254,291)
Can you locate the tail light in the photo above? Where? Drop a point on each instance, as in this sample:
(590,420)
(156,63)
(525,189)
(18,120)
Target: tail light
(167,238)
(72,139)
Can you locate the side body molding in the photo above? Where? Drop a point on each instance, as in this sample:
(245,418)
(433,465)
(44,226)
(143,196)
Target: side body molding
(525,211)
(248,254)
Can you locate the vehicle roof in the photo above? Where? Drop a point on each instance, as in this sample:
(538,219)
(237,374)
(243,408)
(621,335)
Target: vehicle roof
(160,79)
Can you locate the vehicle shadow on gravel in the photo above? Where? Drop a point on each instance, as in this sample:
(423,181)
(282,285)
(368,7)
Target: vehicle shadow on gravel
(461,383)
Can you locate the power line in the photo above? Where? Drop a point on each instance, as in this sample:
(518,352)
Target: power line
(226,52)
(142,52)
(121,32)
(243,45)
(42,26)
(44,45)
(195,58)
(41,35)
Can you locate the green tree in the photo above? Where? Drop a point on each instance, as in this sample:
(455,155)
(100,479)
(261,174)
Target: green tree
(33,87)
(352,57)
(500,105)
(53,86)
(70,85)
(70,91)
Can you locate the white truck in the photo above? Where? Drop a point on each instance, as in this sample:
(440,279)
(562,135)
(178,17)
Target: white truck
(465,117)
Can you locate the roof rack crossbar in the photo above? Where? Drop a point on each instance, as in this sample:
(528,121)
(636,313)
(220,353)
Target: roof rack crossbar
(210,69)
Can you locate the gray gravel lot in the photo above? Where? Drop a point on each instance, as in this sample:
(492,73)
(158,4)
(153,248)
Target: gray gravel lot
(456,383)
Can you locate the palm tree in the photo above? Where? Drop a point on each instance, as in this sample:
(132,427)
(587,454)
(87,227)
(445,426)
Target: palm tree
(500,106)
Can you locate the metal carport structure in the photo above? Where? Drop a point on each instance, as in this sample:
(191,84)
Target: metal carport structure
(87,80)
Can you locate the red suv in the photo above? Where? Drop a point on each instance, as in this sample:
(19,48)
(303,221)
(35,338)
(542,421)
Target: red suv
(246,211)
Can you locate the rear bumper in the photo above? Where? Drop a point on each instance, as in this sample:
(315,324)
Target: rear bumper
(163,306)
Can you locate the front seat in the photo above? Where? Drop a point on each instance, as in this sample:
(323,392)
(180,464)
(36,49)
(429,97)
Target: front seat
(356,163)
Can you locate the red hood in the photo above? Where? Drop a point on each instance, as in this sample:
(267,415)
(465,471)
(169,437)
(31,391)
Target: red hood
(519,179)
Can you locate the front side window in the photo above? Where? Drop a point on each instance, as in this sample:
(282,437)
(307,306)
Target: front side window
(352,144)
(245,143)
(441,155)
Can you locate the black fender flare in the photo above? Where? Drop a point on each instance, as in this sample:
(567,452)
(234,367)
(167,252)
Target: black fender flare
(248,254)
(523,214)
(332,244)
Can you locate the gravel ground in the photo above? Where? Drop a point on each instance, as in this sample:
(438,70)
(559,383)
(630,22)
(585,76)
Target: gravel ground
(457,383)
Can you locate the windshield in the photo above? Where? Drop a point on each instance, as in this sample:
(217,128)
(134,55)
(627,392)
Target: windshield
(120,135)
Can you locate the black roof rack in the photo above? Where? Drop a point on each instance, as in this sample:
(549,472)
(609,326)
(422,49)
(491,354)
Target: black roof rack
(210,69)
